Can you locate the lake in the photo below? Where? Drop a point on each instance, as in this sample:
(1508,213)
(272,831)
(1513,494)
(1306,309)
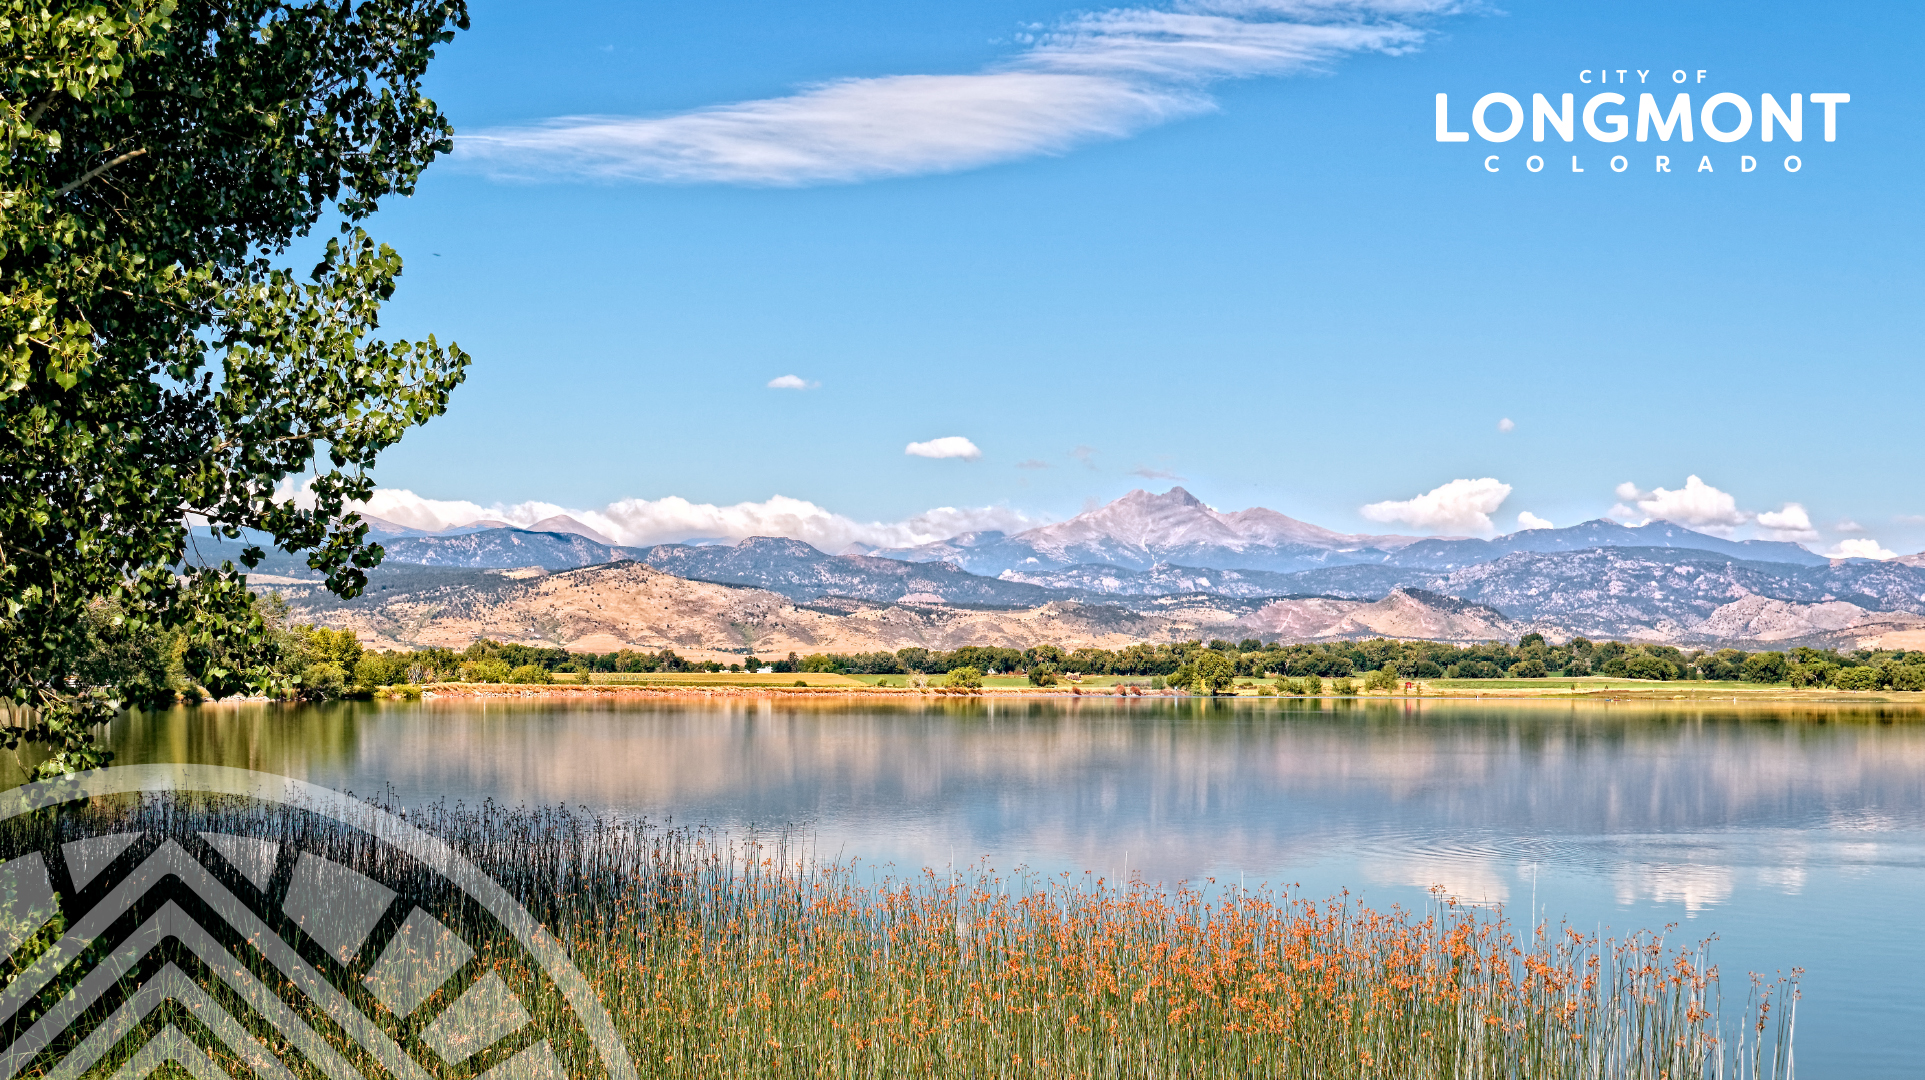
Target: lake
(1795,834)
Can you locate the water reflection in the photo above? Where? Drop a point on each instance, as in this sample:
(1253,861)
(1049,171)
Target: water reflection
(1422,794)
(1795,834)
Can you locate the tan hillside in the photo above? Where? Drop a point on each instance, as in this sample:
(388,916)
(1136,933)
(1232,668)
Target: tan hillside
(1402,614)
(1849,626)
(628,605)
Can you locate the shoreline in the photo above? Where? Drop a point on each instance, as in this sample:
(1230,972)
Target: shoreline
(1660,692)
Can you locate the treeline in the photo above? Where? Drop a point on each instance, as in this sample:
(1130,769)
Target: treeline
(317,663)
(333,664)
(1530,658)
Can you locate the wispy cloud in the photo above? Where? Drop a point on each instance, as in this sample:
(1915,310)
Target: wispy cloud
(1032,463)
(791,382)
(1098,75)
(1461,506)
(1148,473)
(949,446)
(1085,454)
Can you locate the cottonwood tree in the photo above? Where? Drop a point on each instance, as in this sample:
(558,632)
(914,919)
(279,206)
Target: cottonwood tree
(161,363)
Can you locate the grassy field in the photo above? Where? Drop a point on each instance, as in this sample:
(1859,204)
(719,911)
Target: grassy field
(1585,687)
(720,678)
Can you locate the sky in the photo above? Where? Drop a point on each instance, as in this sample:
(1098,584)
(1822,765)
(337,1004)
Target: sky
(888,271)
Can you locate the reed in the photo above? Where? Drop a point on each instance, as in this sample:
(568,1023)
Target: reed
(731,956)
(739,957)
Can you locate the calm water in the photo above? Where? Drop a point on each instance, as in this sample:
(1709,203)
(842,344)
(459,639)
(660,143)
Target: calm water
(1796,836)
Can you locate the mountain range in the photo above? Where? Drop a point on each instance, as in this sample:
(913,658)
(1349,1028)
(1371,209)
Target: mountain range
(1170,556)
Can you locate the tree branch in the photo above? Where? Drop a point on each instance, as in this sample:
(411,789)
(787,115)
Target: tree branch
(89,177)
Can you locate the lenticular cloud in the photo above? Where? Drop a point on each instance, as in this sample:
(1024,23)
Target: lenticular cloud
(1099,75)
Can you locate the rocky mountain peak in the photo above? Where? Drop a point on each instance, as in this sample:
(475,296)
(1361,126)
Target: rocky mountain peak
(777,545)
(562,523)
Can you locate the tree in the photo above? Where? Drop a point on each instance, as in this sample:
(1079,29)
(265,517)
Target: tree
(1646,667)
(1528,669)
(531,673)
(1043,656)
(965,678)
(1766,667)
(157,358)
(1206,671)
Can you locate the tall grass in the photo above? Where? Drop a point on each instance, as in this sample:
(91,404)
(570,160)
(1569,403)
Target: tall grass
(725,956)
(739,958)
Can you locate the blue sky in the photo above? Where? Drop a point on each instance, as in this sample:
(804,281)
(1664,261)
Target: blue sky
(1113,247)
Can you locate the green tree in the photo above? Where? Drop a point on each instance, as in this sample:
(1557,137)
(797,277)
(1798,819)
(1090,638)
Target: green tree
(1043,655)
(1766,667)
(485,671)
(158,358)
(1212,672)
(965,678)
(1646,666)
(531,673)
(1856,678)
(1528,669)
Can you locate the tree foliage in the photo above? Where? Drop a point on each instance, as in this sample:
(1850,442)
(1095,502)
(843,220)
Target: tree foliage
(160,362)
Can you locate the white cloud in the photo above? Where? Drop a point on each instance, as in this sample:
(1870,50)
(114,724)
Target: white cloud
(1461,506)
(1506,425)
(791,382)
(640,522)
(658,521)
(1697,505)
(1789,523)
(1528,520)
(1848,526)
(404,507)
(1098,75)
(1148,473)
(949,446)
(1862,547)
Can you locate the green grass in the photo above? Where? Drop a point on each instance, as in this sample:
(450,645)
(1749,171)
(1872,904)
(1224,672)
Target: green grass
(717,678)
(1594,683)
(1009,682)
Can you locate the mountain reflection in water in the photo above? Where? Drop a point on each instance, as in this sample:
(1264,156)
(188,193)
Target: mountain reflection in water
(1795,833)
